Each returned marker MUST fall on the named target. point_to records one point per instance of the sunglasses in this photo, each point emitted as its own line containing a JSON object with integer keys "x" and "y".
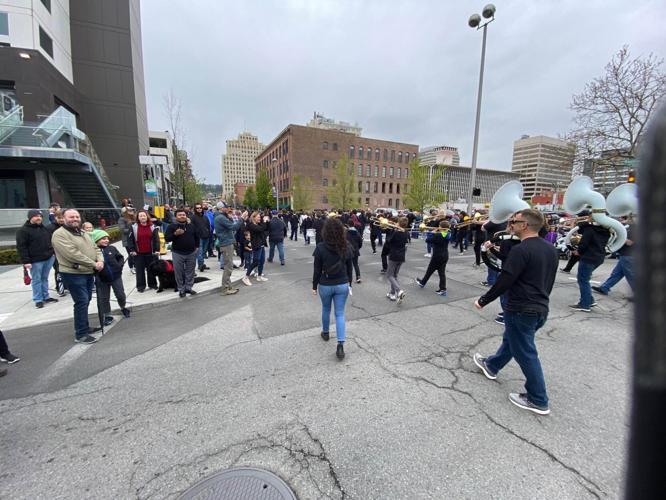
{"x": 516, "y": 221}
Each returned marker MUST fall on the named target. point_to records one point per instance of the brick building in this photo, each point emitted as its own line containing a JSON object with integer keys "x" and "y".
{"x": 381, "y": 167}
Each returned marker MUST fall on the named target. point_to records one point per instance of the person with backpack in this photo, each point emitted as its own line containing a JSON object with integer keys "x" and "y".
{"x": 111, "y": 276}
{"x": 332, "y": 279}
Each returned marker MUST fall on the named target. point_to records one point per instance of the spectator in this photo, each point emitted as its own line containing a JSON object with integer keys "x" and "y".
{"x": 53, "y": 209}
{"x": 276, "y": 232}
{"x": 33, "y": 243}
{"x": 202, "y": 225}
{"x": 109, "y": 277}
{"x": 225, "y": 228}
{"x": 56, "y": 224}
{"x": 185, "y": 244}
{"x": 144, "y": 246}
{"x": 87, "y": 227}
{"x": 78, "y": 258}
{"x": 125, "y": 225}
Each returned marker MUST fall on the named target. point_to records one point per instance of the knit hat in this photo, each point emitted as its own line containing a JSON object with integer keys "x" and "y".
{"x": 33, "y": 213}
{"x": 222, "y": 204}
{"x": 98, "y": 234}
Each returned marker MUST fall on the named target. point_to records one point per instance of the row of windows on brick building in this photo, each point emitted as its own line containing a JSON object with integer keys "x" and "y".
{"x": 324, "y": 199}
{"x": 369, "y": 170}
{"x": 367, "y": 186}
{"x": 367, "y": 153}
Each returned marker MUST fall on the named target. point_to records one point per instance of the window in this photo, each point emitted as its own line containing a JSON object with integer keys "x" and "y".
{"x": 368, "y": 171}
{"x": 391, "y": 172}
{"x": 390, "y": 187}
{"x": 406, "y": 173}
{"x": 383, "y": 171}
{"x": 335, "y": 146}
{"x": 360, "y": 186}
{"x": 47, "y": 4}
{"x": 325, "y": 145}
{"x": 376, "y": 186}
{"x": 377, "y": 154}
{"x": 324, "y": 182}
{"x": 360, "y": 152}
{"x": 367, "y": 186}
{"x": 360, "y": 170}
{"x": 324, "y": 199}
{"x": 398, "y": 172}
{"x": 369, "y": 156}
{"x": 45, "y": 42}
{"x": 4, "y": 23}
{"x": 393, "y": 155}
{"x": 383, "y": 187}
{"x": 386, "y": 155}
{"x": 325, "y": 163}
{"x": 399, "y": 156}
{"x": 390, "y": 203}
{"x": 351, "y": 151}
{"x": 397, "y": 203}
{"x": 397, "y": 189}
{"x": 367, "y": 202}
{"x": 376, "y": 170}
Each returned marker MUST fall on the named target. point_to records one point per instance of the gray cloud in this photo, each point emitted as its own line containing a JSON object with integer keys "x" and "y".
{"x": 404, "y": 70}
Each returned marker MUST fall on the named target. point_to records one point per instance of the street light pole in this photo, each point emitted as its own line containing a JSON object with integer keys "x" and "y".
{"x": 474, "y": 21}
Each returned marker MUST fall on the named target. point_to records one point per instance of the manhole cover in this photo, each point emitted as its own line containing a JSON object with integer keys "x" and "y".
{"x": 240, "y": 484}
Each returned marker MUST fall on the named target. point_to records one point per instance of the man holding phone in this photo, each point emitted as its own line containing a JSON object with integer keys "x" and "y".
{"x": 185, "y": 241}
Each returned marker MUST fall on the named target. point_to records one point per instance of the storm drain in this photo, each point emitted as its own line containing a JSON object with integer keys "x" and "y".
{"x": 240, "y": 484}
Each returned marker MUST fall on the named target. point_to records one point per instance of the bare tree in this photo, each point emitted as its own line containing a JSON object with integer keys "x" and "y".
{"x": 612, "y": 111}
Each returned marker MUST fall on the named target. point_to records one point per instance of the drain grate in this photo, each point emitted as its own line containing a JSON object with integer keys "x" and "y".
{"x": 243, "y": 483}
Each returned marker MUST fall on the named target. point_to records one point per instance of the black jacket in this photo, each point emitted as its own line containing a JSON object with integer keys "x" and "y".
{"x": 592, "y": 246}
{"x": 355, "y": 241}
{"x": 185, "y": 243}
{"x": 330, "y": 268}
{"x": 257, "y": 234}
{"x": 202, "y": 225}
{"x": 276, "y": 229}
{"x": 397, "y": 241}
{"x": 33, "y": 243}
{"x": 113, "y": 264}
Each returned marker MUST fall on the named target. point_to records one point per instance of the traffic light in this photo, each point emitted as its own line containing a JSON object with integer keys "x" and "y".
{"x": 631, "y": 177}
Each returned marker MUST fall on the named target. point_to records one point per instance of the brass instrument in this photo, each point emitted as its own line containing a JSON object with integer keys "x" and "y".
{"x": 429, "y": 229}
{"x": 384, "y": 223}
{"x": 483, "y": 219}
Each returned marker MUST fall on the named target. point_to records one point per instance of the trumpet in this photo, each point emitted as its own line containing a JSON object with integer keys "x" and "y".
{"x": 429, "y": 229}
{"x": 384, "y": 223}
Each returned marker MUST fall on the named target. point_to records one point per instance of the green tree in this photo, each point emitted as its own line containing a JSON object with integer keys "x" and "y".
{"x": 250, "y": 198}
{"x": 342, "y": 188}
{"x": 264, "y": 190}
{"x": 302, "y": 193}
{"x": 193, "y": 191}
{"x": 424, "y": 190}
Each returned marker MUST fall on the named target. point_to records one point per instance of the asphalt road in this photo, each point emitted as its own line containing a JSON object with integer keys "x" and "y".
{"x": 181, "y": 391}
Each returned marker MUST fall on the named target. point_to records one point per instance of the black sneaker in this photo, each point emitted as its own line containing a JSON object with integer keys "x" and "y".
{"x": 522, "y": 401}
{"x": 340, "y": 351}
{"x": 419, "y": 282}
{"x": 578, "y": 307}
{"x": 39, "y": 305}
{"x": 181, "y": 294}
{"x": 358, "y": 280}
{"x": 95, "y": 329}
{"x": 565, "y": 271}
{"x": 50, "y": 300}
{"x": 86, "y": 339}
{"x": 484, "y": 283}
{"x": 201, "y": 269}
{"x": 126, "y": 312}
{"x": 480, "y": 361}
{"x": 325, "y": 336}
{"x": 383, "y": 271}
{"x": 499, "y": 319}
{"x": 191, "y": 292}
{"x": 600, "y": 290}
{"x": 10, "y": 359}
{"x": 108, "y": 320}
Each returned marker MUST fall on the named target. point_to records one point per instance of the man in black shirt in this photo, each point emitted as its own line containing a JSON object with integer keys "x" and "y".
{"x": 184, "y": 247}
{"x": 592, "y": 252}
{"x": 527, "y": 278}
{"x": 624, "y": 267}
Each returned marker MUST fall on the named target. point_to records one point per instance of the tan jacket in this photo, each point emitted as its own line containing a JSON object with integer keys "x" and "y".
{"x": 76, "y": 252}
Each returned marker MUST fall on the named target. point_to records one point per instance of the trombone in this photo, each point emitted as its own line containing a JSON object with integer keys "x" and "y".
{"x": 384, "y": 223}
{"x": 429, "y": 229}
{"x": 482, "y": 219}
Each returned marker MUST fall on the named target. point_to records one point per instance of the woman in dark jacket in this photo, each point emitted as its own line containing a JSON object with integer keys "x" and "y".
{"x": 396, "y": 241}
{"x": 144, "y": 245}
{"x": 257, "y": 228}
{"x": 333, "y": 277}
{"x": 125, "y": 225}
{"x": 356, "y": 242}
{"x": 439, "y": 242}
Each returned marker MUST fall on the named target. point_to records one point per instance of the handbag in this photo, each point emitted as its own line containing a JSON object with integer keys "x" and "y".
{"x": 26, "y": 277}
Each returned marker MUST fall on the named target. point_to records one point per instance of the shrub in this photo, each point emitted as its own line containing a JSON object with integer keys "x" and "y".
{"x": 9, "y": 256}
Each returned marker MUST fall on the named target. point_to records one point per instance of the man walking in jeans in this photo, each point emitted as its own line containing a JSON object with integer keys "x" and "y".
{"x": 624, "y": 267}
{"x": 592, "y": 252}
{"x": 78, "y": 258}
{"x": 527, "y": 278}
{"x": 225, "y": 229}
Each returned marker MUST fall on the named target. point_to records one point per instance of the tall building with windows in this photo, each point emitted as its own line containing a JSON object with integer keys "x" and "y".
{"x": 381, "y": 167}
{"x": 72, "y": 78}
{"x": 238, "y": 161}
{"x": 543, "y": 163}
{"x": 439, "y": 155}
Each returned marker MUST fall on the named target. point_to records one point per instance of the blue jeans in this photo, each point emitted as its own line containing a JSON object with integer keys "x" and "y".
{"x": 258, "y": 257}
{"x": 39, "y": 274}
{"x": 338, "y": 295}
{"x": 518, "y": 343}
{"x": 623, "y": 269}
{"x": 203, "y": 252}
{"x": 491, "y": 278}
{"x": 80, "y": 287}
{"x": 583, "y": 277}
{"x": 280, "y": 247}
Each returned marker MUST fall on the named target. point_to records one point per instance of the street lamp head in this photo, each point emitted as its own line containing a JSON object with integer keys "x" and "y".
{"x": 474, "y": 21}
{"x": 488, "y": 11}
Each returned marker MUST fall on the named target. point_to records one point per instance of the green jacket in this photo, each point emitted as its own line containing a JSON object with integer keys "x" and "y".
{"x": 75, "y": 251}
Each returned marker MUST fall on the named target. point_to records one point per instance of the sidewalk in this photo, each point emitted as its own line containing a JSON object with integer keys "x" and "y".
{"x": 17, "y": 310}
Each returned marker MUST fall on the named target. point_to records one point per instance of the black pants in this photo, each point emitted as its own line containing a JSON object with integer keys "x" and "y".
{"x": 130, "y": 258}
{"x": 4, "y": 348}
{"x": 573, "y": 260}
{"x": 141, "y": 262}
{"x": 104, "y": 294}
{"x": 478, "y": 241}
{"x": 373, "y": 237}
{"x": 385, "y": 253}
{"x": 437, "y": 264}
{"x": 462, "y": 240}
{"x": 356, "y": 268}
{"x": 294, "y": 233}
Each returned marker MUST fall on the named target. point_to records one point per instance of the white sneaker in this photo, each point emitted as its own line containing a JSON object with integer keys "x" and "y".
{"x": 246, "y": 281}
{"x": 390, "y": 296}
{"x": 262, "y": 278}
{"x": 254, "y": 273}
{"x": 400, "y": 296}
{"x": 427, "y": 255}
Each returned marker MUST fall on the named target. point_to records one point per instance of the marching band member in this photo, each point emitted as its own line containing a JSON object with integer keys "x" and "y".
{"x": 592, "y": 252}
{"x": 439, "y": 242}
{"x": 624, "y": 267}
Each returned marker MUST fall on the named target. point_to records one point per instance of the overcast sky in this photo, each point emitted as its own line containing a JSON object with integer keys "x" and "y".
{"x": 404, "y": 70}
